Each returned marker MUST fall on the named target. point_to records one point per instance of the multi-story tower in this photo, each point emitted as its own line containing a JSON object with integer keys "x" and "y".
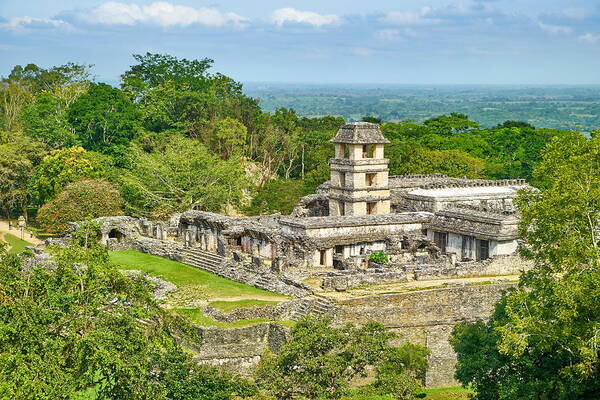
{"x": 359, "y": 172}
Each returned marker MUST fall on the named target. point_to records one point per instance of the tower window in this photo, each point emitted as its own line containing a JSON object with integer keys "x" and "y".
{"x": 368, "y": 150}
{"x": 346, "y": 151}
{"x": 371, "y": 179}
{"x": 371, "y": 208}
{"x": 342, "y": 179}
{"x": 342, "y": 208}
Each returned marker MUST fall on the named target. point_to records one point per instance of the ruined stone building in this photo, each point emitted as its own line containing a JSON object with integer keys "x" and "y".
{"x": 362, "y": 210}
{"x": 430, "y": 227}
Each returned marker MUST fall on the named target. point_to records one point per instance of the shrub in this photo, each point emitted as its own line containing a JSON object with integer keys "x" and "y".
{"x": 79, "y": 201}
{"x": 378, "y": 257}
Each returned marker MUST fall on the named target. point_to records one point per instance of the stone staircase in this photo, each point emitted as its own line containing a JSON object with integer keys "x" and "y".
{"x": 314, "y": 305}
{"x": 263, "y": 282}
{"x": 202, "y": 259}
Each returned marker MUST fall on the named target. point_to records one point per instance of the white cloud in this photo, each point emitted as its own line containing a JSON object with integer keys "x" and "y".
{"x": 410, "y": 17}
{"x": 23, "y": 23}
{"x": 590, "y": 37}
{"x": 556, "y": 28}
{"x": 283, "y": 15}
{"x": 160, "y": 13}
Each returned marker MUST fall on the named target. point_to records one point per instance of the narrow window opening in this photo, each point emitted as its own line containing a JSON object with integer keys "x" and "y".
{"x": 342, "y": 179}
{"x": 322, "y": 257}
{"x": 483, "y": 249}
{"x": 371, "y": 208}
{"x": 346, "y": 150}
{"x": 371, "y": 179}
{"x": 467, "y": 248}
{"x": 441, "y": 240}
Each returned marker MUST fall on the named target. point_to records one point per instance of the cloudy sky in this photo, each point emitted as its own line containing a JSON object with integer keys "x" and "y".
{"x": 320, "y": 41}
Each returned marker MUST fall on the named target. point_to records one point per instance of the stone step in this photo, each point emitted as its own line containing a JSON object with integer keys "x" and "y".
{"x": 199, "y": 251}
{"x": 204, "y": 256}
{"x": 205, "y": 266}
{"x": 203, "y": 261}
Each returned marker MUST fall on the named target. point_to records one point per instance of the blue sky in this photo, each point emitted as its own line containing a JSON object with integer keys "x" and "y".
{"x": 326, "y": 41}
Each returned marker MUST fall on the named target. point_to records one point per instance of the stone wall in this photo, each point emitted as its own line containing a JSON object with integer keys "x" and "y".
{"x": 238, "y": 349}
{"x": 276, "y": 312}
{"x": 341, "y": 282}
{"x": 499, "y": 265}
{"x": 426, "y": 318}
{"x": 404, "y": 272}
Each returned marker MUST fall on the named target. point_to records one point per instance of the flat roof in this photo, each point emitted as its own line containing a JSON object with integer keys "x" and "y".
{"x": 467, "y": 191}
{"x": 357, "y": 220}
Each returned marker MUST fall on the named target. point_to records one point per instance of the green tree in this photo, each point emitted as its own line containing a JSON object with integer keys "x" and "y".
{"x": 542, "y": 341}
{"x": 24, "y": 83}
{"x": 408, "y": 157}
{"x": 450, "y": 124}
{"x": 13, "y": 97}
{"x": 37, "y": 79}
{"x": 400, "y": 372}
{"x": 62, "y": 167}
{"x": 18, "y": 157}
{"x": 277, "y": 196}
{"x": 80, "y": 200}
{"x": 153, "y": 70}
{"x": 105, "y": 119}
{"x": 230, "y": 135}
{"x": 179, "y": 176}
{"x": 319, "y": 360}
{"x": 373, "y": 120}
{"x": 83, "y": 329}
{"x": 46, "y": 120}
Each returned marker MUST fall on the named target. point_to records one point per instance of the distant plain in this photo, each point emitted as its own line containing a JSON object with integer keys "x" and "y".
{"x": 559, "y": 107}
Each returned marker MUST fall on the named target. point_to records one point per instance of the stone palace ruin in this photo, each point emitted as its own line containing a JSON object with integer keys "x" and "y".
{"x": 430, "y": 228}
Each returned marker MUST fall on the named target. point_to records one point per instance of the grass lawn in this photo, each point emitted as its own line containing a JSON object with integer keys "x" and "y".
{"x": 196, "y": 315}
{"x": 16, "y": 245}
{"x": 189, "y": 279}
{"x": 232, "y": 305}
{"x": 451, "y": 393}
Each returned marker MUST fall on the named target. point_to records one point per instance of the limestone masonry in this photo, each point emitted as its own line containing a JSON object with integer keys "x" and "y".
{"x": 431, "y": 228}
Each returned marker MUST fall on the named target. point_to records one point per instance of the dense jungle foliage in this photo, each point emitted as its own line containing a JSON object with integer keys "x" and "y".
{"x": 175, "y": 136}
{"x": 542, "y": 341}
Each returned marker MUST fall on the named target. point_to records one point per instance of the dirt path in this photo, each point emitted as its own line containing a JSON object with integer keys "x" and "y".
{"x": 16, "y": 232}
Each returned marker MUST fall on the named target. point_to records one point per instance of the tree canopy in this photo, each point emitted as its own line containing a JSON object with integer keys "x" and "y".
{"x": 83, "y": 328}
{"x": 319, "y": 361}
{"x": 542, "y": 341}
